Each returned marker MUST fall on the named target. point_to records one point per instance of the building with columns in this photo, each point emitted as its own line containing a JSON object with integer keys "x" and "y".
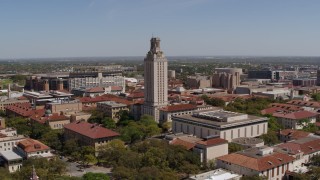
{"x": 155, "y": 80}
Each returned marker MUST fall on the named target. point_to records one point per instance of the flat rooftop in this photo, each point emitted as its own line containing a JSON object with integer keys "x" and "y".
{"x": 247, "y": 141}
{"x": 217, "y": 174}
{"x": 276, "y": 91}
{"x": 219, "y": 118}
{"x": 112, "y": 104}
{"x": 11, "y": 155}
{"x": 184, "y": 137}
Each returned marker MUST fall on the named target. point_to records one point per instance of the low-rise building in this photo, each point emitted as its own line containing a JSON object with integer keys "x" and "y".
{"x": 263, "y": 161}
{"x": 7, "y": 143}
{"x": 7, "y": 102}
{"x": 112, "y": 109}
{"x": 292, "y": 134}
{"x": 8, "y": 131}
{"x": 198, "y": 81}
{"x": 306, "y": 105}
{"x": 55, "y": 121}
{"x": 207, "y": 149}
{"x": 33, "y": 148}
{"x": 295, "y": 120}
{"x": 172, "y": 110}
{"x": 302, "y": 149}
{"x": 89, "y": 134}
{"x": 92, "y": 101}
{"x": 26, "y": 148}
{"x": 304, "y": 82}
{"x": 24, "y": 110}
{"x": 228, "y": 125}
{"x": 217, "y": 174}
{"x": 11, "y": 160}
{"x": 73, "y": 106}
{"x": 282, "y": 94}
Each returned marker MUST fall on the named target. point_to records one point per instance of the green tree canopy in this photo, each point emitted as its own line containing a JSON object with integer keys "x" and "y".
{"x": 95, "y": 176}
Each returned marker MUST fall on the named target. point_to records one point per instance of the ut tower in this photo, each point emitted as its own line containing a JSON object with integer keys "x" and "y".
{"x": 155, "y": 80}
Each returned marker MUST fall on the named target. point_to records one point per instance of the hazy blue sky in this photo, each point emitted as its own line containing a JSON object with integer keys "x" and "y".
{"x": 64, "y": 28}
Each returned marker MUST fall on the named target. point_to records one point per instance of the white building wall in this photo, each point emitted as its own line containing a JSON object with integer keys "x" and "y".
{"x": 275, "y": 173}
{"x": 202, "y": 132}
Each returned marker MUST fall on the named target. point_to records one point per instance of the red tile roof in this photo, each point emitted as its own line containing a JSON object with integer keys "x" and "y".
{"x": 305, "y": 103}
{"x": 262, "y": 163}
{"x": 106, "y": 97}
{"x": 30, "y": 145}
{"x": 271, "y": 110}
{"x": 294, "y": 134}
{"x": 95, "y": 90}
{"x": 24, "y": 110}
{"x": 93, "y": 131}
{"x": 186, "y": 144}
{"x": 213, "y": 142}
{"x": 295, "y": 115}
{"x": 306, "y": 145}
{"x": 287, "y": 106}
{"x": 179, "y": 107}
{"x": 116, "y": 88}
{"x": 53, "y": 117}
{"x": 280, "y": 107}
{"x": 135, "y": 95}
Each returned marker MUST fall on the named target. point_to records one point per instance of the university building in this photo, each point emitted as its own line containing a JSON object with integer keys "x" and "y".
{"x": 155, "y": 80}
{"x": 228, "y": 125}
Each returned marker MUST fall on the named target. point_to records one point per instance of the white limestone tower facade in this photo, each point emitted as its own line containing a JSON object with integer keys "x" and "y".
{"x": 155, "y": 80}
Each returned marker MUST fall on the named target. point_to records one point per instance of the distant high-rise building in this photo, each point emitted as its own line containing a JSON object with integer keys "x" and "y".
{"x": 226, "y": 78}
{"x": 172, "y": 74}
{"x": 155, "y": 80}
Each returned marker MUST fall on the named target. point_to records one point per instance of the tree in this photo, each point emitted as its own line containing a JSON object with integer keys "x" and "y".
{"x": 89, "y": 158}
{"x": 45, "y": 169}
{"x": 38, "y": 130}
{"x": 70, "y": 146}
{"x": 211, "y": 164}
{"x": 316, "y": 96}
{"x": 124, "y": 119}
{"x": 250, "y": 106}
{"x": 111, "y": 152}
{"x": 315, "y": 160}
{"x": 53, "y": 139}
{"x": 4, "y": 174}
{"x": 131, "y": 133}
{"x": 166, "y": 126}
{"x": 273, "y": 124}
{"x": 22, "y": 125}
{"x": 271, "y": 138}
{"x": 2, "y": 113}
{"x": 121, "y": 172}
{"x": 95, "y": 176}
{"x": 87, "y": 155}
{"x": 233, "y": 147}
{"x": 96, "y": 117}
{"x": 109, "y": 123}
{"x": 213, "y": 101}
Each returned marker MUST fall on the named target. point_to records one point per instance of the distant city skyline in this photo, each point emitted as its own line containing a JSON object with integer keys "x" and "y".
{"x": 106, "y": 28}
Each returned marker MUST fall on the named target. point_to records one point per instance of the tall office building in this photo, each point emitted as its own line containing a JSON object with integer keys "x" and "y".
{"x": 155, "y": 80}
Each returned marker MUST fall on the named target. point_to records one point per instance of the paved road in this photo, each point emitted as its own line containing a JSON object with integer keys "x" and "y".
{"x": 74, "y": 170}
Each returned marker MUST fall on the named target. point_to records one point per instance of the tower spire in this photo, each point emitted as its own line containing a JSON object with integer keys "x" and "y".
{"x": 34, "y": 174}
